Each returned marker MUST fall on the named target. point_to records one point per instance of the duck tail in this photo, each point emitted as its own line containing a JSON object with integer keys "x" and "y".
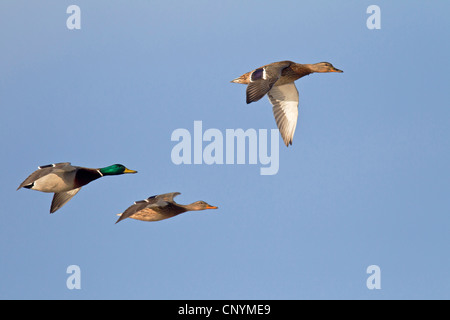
{"x": 242, "y": 79}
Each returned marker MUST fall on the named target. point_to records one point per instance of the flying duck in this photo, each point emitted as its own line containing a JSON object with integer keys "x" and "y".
{"x": 277, "y": 81}
{"x": 160, "y": 207}
{"x": 65, "y": 180}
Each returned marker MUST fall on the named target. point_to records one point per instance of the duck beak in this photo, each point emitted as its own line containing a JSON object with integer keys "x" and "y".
{"x": 129, "y": 171}
{"x": 336, "y": 70}
{"x": 212, "y": 207}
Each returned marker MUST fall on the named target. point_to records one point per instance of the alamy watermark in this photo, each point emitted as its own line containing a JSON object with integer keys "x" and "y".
{"x": 228, "y": 148}
{"x": 74, "y": 280}
{"x": 374, "y": 280}
{"x": 374, "y": 20}
{"x": 73, "y": 22}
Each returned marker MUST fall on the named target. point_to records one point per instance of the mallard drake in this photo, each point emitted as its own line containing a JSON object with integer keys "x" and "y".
{"x": 277, "y": 80}
{"x": 66, "y": 180}
{"x": 160, "y": 207}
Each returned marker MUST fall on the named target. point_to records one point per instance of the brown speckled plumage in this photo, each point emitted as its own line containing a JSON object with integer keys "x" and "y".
{"x": 160, "y": 207}
{"x": 277, "y": 81}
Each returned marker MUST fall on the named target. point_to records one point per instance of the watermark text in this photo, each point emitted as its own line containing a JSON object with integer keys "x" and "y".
{"x": 230, "y": 148}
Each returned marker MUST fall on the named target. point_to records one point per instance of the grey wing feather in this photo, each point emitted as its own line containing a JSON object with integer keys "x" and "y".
{"x": 285, "y": 109}
{"x": 61, "y": 198}
{"x": 256, "y": 90}
{"x": 137, "y": 206}
{"x": 45, "y": 170}
{"x": 55, "y": 165}
{"x": 263, "y": 79}
{"x": 167, "y": 196}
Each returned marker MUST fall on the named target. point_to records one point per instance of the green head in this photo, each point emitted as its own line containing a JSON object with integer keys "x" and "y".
{"x": 115, "y": 169}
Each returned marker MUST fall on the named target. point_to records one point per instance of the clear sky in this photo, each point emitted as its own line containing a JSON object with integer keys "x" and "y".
{"x": 366, "y": 181}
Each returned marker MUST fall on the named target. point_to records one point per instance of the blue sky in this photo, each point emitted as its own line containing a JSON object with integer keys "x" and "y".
{"x": 365, "y": 183}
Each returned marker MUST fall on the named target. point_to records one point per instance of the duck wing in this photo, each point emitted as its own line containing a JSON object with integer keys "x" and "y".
{"x": 61, "y": 198}
{"x": 137, "y": 206}
{"x": 263, "y": 79}
{"x": 284, "y": 99}
{"x": 166, "y": 196}
{"x": 153, "y": 202}
{"x": 45, "y": 170}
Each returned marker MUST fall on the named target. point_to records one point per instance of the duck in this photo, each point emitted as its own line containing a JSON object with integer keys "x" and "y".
{"x": 277, "y": 81}
{"x": 65, "y": 180}
{"x": 160, "y": 207}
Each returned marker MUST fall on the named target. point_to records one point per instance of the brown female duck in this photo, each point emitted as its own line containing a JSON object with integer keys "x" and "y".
{"x": 160, "y": 207}
{"x": 277, "y": 80}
